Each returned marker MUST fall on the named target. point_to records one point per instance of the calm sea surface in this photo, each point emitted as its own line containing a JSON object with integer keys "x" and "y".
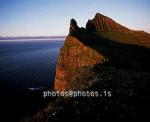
{"x": 24, "y": 65}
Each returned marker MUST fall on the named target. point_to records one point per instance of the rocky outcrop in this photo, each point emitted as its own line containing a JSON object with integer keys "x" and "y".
{"x": 102, "y": 39}
{"x": 103, "y": 23}
{"x": 74, "y": 55}
{"x": 73, "y": 27}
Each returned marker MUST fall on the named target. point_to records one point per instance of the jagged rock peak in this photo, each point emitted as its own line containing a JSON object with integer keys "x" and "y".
{"x": 99, "y": 14}
{"x": 103, "y": 23}
{"x": 73, "y": 22}
{"x": 73, "y": 27}
{"x": 100, "y": 23}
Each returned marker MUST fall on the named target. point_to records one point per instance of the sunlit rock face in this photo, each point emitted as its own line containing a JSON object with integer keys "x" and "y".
{"x": 74, "y": 57}
{"x": 102, "y": 23}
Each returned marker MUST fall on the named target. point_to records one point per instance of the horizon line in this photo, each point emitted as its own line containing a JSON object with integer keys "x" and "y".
{"x": 60, "y": 36}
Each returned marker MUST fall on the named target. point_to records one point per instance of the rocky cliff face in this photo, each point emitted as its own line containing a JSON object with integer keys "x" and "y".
{"x": 103, "y": 39}
{"x": 74, "y": 55}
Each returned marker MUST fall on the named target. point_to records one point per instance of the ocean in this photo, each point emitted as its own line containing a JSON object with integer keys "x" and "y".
{"x": 26, "y": 65}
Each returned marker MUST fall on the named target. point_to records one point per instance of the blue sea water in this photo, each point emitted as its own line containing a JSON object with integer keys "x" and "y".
{"x": 23, "y": 65}
{"x": 28, "y": 63}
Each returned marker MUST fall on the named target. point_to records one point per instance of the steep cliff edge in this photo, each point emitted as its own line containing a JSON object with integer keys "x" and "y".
{"x": 74, "y": 55}
{"x": 102, "y": 41}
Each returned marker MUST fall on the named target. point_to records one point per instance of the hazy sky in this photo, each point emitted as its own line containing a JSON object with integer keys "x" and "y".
{"x": 52, "y": 17}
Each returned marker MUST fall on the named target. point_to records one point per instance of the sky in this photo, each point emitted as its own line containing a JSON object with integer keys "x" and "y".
{"x": 52, "y": 17}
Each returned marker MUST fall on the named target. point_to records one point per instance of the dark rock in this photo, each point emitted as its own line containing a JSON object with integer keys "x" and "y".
{"x": 74, "y": 29}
